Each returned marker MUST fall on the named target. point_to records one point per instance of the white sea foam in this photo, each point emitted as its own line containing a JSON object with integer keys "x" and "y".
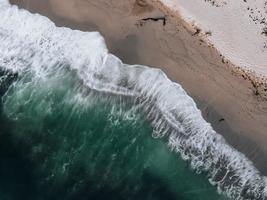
{"x": 4, "y": 2}
{"x": 33, "y": 43}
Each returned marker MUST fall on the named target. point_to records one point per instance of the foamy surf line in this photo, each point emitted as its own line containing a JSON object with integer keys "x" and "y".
{"x": 32, "y": 43}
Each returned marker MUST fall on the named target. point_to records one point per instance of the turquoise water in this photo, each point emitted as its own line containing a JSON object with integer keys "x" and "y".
{"x": 59, "y": 140}
{"x": 77, "y": 123}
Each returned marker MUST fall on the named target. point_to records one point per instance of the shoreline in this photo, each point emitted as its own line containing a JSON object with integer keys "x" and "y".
{"x": 186, "y": 58}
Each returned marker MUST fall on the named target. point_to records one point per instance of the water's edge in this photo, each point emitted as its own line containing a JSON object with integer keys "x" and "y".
{"x": 38, "y": 43}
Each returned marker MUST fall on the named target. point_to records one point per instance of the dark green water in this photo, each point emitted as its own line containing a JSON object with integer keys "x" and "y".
{"x": 59, "y": 140}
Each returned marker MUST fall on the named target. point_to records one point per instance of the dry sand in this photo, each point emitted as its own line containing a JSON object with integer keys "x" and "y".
{"x": 147, "y": 32}
{"x": 238, "y": 29}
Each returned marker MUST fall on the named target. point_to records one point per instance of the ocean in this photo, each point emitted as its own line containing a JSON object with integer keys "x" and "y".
{"x": 77, "y": 123}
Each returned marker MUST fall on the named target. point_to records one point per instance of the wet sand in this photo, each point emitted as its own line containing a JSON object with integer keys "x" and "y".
{"x": 142, "y": 32}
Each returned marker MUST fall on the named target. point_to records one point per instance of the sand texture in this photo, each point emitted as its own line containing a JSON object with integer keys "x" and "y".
{"x": 232, "y": 99}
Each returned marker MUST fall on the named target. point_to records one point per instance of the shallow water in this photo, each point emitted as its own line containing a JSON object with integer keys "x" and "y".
{"x": 77, "y": 123}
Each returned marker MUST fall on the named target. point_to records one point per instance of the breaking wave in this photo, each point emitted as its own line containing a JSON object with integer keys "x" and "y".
{"x": 30, "y": 43}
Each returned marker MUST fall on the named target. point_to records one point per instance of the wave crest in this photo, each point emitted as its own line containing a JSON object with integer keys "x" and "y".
{"x": 33, "y": 43}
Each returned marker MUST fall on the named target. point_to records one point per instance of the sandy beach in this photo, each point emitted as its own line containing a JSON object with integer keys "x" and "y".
{"x": 234, "y": 101}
